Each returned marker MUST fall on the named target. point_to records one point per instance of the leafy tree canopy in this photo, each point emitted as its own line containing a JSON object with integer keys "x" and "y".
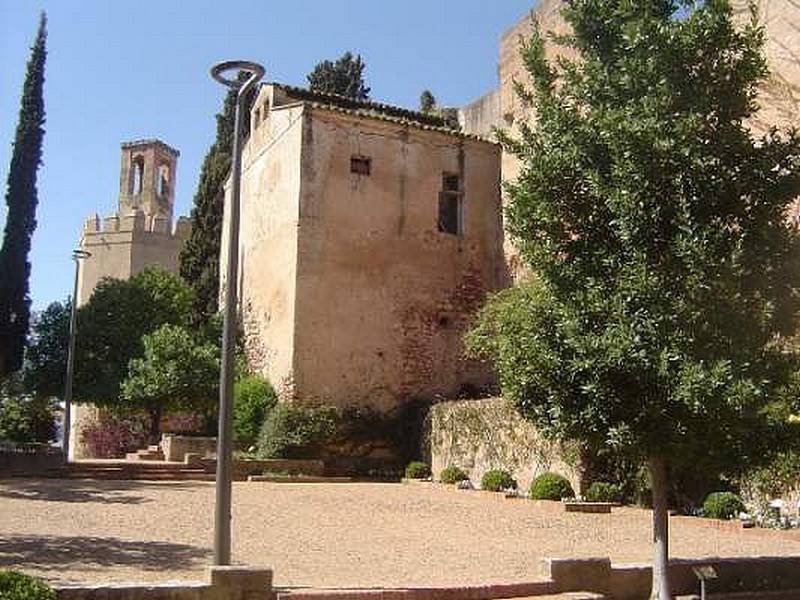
{"x": 177, "y": 371}
{"x": 112, "y": 324}
{"x": 656, "y": 226}
{"x": 25, "y": 418}
{"x": 46, "y": 356}
{"x": 344, "y": 77}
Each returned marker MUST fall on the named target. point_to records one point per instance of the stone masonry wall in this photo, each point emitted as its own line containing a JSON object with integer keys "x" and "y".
{"x": 383, "y": 297}
{"x": 478, "y": 435}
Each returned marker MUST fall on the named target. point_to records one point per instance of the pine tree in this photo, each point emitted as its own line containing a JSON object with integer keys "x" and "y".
{"x": 200, "y": 255}
{"x": 21, "y": 198}
{"x": 345, "y": 77}
{"x": 427, "y": 102}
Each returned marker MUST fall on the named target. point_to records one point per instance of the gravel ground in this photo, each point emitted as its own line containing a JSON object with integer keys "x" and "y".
{"x": 343, "y": 535}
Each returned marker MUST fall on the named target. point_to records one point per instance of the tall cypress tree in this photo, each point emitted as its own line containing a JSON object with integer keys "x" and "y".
{"x": 200, "y": 255}
{"x": 21, "y": 198}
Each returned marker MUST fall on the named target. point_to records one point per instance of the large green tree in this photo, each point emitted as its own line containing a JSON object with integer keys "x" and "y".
{"x": 113, "y": 322}
{"x": 656, "y": 226}
{"x": 21, "y": 198}
{"x": 46, "y": 355}
{"x": 344, "y": 77}
{"x": 177, "y": 371}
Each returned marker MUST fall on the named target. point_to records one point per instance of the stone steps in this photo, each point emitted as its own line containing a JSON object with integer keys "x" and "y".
{"x": 152, "y": 452}
{"x": 133, "y": 470}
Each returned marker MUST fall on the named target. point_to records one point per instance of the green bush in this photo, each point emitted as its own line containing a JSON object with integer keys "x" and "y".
{"x": 253, "y": 399}
{"x": 417, "y": 470}
{"x": 452, "y": 474}
{"x": 497, "y": 480}
{"x": 297, "y": 431}
{"x": 551, "y": 486}
{"x": 26, "y": 419}
{"x": 603, "y": 491}
{"x": 722, "y": 505}
{"x": 17, "y": 586}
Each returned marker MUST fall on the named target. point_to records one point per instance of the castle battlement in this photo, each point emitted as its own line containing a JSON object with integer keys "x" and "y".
{"x": 136, "y": 221}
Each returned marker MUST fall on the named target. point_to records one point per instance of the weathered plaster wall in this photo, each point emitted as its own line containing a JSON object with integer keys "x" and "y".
{"x": 481, "y": 116}
{"x": 268, "y": 248}
{"x": 478, "y": 435}
{"x": 383, "y": 297}
{"x": 780, "y": 94}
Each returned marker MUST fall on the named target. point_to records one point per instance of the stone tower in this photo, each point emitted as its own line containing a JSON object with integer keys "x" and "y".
{"x": 147, "y": 178}
{"x": 138, "y": 234}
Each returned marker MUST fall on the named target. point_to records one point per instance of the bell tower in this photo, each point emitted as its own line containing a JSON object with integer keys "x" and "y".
{"x": 147, "y": 178}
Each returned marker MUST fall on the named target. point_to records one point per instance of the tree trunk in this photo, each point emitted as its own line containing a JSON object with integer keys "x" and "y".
{"x": 155, "y": 424}
{"x": 658, "y": 481}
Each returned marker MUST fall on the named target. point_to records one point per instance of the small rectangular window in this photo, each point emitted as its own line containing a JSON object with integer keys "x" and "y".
{"x": 361, "y": 165}
{"x": 450, "y": 204}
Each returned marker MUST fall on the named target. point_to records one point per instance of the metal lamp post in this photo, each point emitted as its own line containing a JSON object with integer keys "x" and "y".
{"x": 222, "y": 508}
{"x": 77, "y": 255}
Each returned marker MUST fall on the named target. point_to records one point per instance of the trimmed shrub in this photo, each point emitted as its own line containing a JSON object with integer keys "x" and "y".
{"x": 452, "y": 474}
{"x": 722, "y": 505}
{"x": 603, "y": 491}
{"x": 417, "y": 470}
{"x": 18, "y": 586}
{"x": 297, "y": 431}
{"x": 253, "y": 399}
{"x": 551, "y": 486}
{"x": 497, "y": 480}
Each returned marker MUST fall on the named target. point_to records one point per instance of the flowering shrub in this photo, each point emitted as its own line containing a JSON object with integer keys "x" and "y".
{"x": 110, "y": 436}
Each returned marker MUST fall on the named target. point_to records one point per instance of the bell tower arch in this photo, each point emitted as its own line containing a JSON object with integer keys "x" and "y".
{"x": 147, "y": 178}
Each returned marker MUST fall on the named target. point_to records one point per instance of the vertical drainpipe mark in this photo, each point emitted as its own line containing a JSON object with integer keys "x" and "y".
{"x": 401, "y": 223}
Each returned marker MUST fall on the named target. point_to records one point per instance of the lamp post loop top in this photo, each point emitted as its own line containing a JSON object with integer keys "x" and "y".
{"x": 78, "y": 254}
{"x": 219, "y": 69}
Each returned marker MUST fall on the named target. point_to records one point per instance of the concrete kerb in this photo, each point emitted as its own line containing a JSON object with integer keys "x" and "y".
{"x": 223, "y": 583}
{"x": 561, "y": 575}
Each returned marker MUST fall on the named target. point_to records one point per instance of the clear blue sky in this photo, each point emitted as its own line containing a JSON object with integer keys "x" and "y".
{"x": 120, "y": 71}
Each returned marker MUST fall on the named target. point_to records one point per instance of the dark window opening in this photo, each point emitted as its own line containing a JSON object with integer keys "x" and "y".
{"x": 444, "y": 321}
{"x": 361, "y": 165}
{"x": 450, "y": 183}
{"x": 450, "y": 205}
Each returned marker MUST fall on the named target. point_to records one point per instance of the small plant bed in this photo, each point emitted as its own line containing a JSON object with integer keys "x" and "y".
{"x": 453, "y": 475}
{"x": 299, "y": 478}
{"x": 498, "y": 480}
{"x": 588, "y": 507}
{"x": 417, "y": 470}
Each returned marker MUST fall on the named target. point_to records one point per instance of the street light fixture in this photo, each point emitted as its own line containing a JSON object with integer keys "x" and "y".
{"x": 222, "y": 508}
{"x": 77, "y": 255}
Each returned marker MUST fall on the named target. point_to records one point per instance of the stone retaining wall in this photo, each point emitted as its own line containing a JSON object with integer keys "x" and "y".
{"x": 176, "y": 447}
{"x": 29, "y": 459}
{"x": 478, "y": 435}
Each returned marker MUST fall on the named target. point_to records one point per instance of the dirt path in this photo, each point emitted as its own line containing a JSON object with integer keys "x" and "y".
{"x": 327, "y": 534}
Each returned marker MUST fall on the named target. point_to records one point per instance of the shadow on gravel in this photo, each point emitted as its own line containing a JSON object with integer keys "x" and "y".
{"x": 81, "y": 490}
{"x": 47, "y": 552}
